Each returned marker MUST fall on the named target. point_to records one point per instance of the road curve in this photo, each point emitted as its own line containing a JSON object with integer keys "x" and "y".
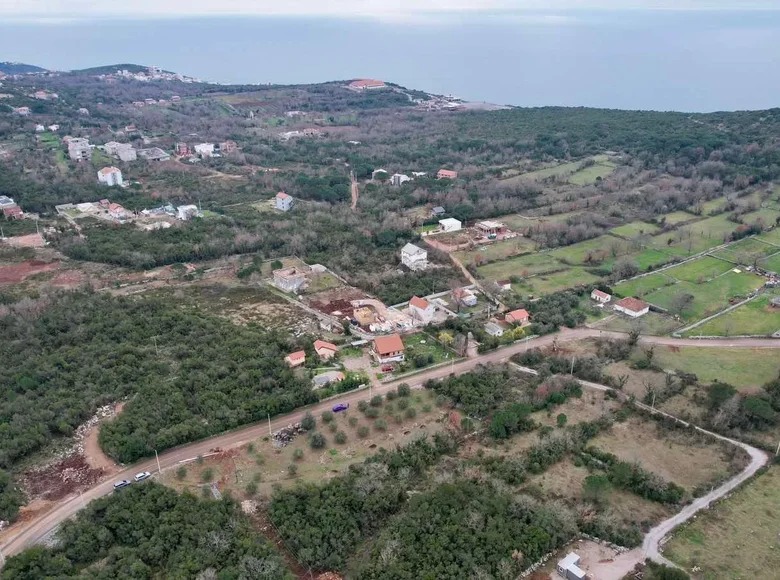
{"x": 31, "y": 532}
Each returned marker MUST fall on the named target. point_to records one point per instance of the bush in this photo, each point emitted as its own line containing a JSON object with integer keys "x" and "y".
{"x": 466, "y": 425}
{"x": 372, "y": 412}
{"x": 441, "y": 400}
{"x": 380, "y": 425}
{"x": 181, "y": 473}
{"x": 389, "y": 408}
{"x": 251, "y": 488}
{"x": 207, "y": 475}
{"x": 391, "y": 395}
{"x": 298, "y": 454}
{"x": 404, "y": 390}
{"x": 250, "y": 448}
{"x": 410, "y": 413}
{"x": 333, "y": 427}
{"x": 402, "y": 404}
{"x": 341, "y": 437}
{"x": 362, "y": 431}
{"x": 327, "y": 416}
{"x": 308, "y": 423}
{"x": 376, "y": 401}
{"x": 199, "y": 460}
{"x": 362, "y": 406}
{"x": 353, "y": 421}
{"x": 292, "y": 469}
{"x": 398, "y": 418}
{"x": 427, "y": 408}
{"x": 317, "y": 440}
{"x": 561, "y": 420}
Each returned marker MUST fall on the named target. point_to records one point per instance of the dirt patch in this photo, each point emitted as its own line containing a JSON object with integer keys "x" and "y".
{"x": 18, "y": 272}
{"x": 60, "y": 479}
{"x": 68, "y": 279}
{"x": 597, "y": 560}
{"x": 28, "y": 241}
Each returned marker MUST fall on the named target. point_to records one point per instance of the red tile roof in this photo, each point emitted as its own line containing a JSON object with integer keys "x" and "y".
{"x": 520, "y": 314}
{"x": 632, "y": 304}
{"x": 600, "y": 294}
{"x": 297, "y": 355}
{"x": 364, "y": 83}
{"x": 388, "y": 344}
{"x": 419, "y": 302}
{"x": 318, "y": 344}
{"x": 282, "y": 195}
{"x": 447, "y": 173}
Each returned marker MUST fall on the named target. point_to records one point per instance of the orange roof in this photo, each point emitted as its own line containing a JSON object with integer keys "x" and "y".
{"x": 600, "y": 294}
{"x": 282, "y": 195}
{"x": 632, "y": 304}
{"x": 447, "y": 173}
{"x": 318, "y": 344}
{"x": 297, "y": 355}
{"x": 107, "y": 170}
{"x": 388, "y": 344}
{"x": 360, "y": 83}
{"x": 518, "y": 314}
{"x": 419, "y": 302}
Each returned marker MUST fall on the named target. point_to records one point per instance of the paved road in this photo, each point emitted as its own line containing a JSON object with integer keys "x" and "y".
{"x": 33, "y": 531}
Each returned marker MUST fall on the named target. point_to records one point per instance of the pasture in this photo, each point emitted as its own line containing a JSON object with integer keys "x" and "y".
{"x": 678, "y": 217}
{"x": 542, "y": 284}
{"x": 634, "y": 229}
{"x": 523, "y": 266}
{"x": 757, "y": 317}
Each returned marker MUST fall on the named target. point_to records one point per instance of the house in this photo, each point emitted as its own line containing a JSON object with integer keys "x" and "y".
{"x": 79, "y": 149}
{"x": 138, "y": 104}
{"x": 154, "y": 154}
{"x": 519, "y": 316}
{"x": 228, "y": 147}
{"x": 504, "y": 285}
{"x": 399, "y": 179}
{"x": 599, "y": 296}
{"x": 123, "y": 151}
{"x": 490, "y": 228}
{"x": 6, "y": 202}
{"x": 632, "y": 307}
{"x": 422, "y": 310}
{"x": 84, "y": 111}
{"x": 150, "y": 101}
{"x": 326, "y": 378}
{"x": 54, "y": 128}
{"x": 325, "y": 350}
{"x": 376, "y": 174}
{"x": 13, "y": 213}
{"x": 465, "y": 297}
{"x": 39, "y": 128}
{"x": 413, "y": 257}
{"x": 110, "y": 176}
{"x": 446, "y": 174}
{"x": 775, "y": 302}
{"x": 185, "y": 212}
{"x": 450, "y": 225}
{"x": 438, "y": 211}
{"x": 23, "y": 111}
{"x": 388, "y": 349}
{"x": 182, "y": 149}
{"x": 296, "y": 359}
{"x": 175, "y": 98}
{"x": 204, "y": 150}
{"x": 289, "y": 279}
{"x": 366, "y": 84}
{"x": 284, "y": 201}
{"x": 568, "y": 568}
{"x": 117, "y": 212}
{"x": 494, "y": 329}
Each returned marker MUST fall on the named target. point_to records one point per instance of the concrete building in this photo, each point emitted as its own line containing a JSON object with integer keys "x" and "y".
{"x": 465, "y": 297}
{"x": 289, "y": 279}
{"x": 296, "y": 359}
{"x": 599, "y": 296}
{"x": 388, "y": 349}
{"x": 450, "y": 225}
{"x": 494, "y": 329}
{"x": 366, "y": 84}
{"x": 182, "y": 149}
{"x": 23, "y": 111}
{"x": 632, "y": 307}
{"x": 123, "y": 151}
{"x": 228, "y": 147}
{"x": 422, "y": 310}
{"x": 186, "y": 212}
{"x": 568, "y": 567}
{"x": 284, "y": 201}
{"x": 399, "y": 179}
{"x": 110, "y": 176}
{"x": 204, "y": 150}
{"x": 413, "y": 257}
{"x": 490, "y": 228}
{"x": 79, "y": 149}
{"x": 326, "y": 378}
{"x": 446, "y": 174}
{"x": 325, "y": 350}
{"x": 154, "y": 154}
{"x": 39, "y": 128}
{"x": 519, "y": 316}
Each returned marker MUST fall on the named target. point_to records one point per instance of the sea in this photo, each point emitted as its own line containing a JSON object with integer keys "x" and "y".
{"x": 685, "y": 60}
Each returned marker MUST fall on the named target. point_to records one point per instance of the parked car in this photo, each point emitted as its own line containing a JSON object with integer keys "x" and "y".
{"x": 121, "y": 484}
{"x": 387, "y": 368}
{"x": 340, "y": 407}
{"x": 143, "y": 475}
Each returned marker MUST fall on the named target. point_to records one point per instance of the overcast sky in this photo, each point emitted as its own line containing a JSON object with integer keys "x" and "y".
{"x": 358, "y": 8}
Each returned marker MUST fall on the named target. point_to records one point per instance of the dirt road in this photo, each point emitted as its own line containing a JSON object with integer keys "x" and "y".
{"x": 33, "y": 531}
{"x": 353, "y": 188}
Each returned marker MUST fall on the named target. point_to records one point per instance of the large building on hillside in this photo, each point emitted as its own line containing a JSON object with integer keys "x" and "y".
{"x": 110, "y": 176}
{"x": 414, "y": 257}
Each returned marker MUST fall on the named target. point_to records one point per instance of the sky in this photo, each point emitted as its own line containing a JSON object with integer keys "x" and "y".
{"x": 54, "y": 9}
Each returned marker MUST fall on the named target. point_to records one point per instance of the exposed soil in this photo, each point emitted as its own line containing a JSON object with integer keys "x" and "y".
{"x": 68, "y": 279}
{"x": 13, "y": 274}
{"x": 28, "y": 241}
{"x": 60, "y": 479}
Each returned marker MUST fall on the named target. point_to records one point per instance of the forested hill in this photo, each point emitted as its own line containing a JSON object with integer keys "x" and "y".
{"x": 17, "y": 68}
{"x": 112, "y": 68}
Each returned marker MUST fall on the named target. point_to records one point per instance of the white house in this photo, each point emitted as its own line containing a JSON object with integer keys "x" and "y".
{"x": 79, "y": 149}
{"x": 422, "y": 310}
{"x": 599, "y": 296}
{"x": 399, "y": 179}
{"x": 39, "y": 128}
{"x": 632, "y": 307}
{"x": 568, "y": 567}
{"x": 110, "y": 176}
{"x": 204, "y": 149}
{"x": 289, "y": 279}
{"x": 413, "y": 257}
{"x": 185, "y": 212}
{"x": 450, "y": 225}
{"x": 284, "y": 201}
{"x": 388, "y": 349}
{"x": 493, "y": 329}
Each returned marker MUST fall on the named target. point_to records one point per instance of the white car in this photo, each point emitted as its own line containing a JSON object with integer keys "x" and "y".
{"x": 121, "y": 484}
{"x": 143, "y": 475}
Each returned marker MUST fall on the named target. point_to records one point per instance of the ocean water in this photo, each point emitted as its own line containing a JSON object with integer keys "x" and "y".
{"x": 690, "y": 61}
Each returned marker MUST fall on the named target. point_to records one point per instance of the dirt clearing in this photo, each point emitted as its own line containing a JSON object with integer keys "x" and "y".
{"x": 13, "y": 274}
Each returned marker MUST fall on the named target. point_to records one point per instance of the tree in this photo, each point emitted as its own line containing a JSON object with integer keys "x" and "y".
{"x": 681, "y": 302}
{"x": 363, "y": 431}
{"x": 446, "y": 338}
{"x": 404, "y": 390}
{"x": 292, "y": 470}
{"x": 317, "y": 440}
{"x": 561, "y": 419}
{"x": 327, "y": 416}
{"x": 181, "y": 473}
{"x": 596, "y": 489}
{"x": 341, "y": 437}
{"x": 308, "y": 423}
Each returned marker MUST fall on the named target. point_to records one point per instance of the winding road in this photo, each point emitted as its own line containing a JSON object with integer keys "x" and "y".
{"x": 28, "y": 533}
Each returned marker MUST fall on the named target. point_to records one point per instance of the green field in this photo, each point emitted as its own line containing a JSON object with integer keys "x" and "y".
{"x": 519, "y": 223}
{"x": 696, "y": 237}
{"x": 768, "y": 217}
{"x": 650, "y": 257}
{"x": 714, "y": 205}
{"x": 527, "y": 265}
{"x": 742, "y": 367}
{"x": 497, "y": 250}
{"x": 756, "y": 317}
{"x": 595, "y": 251}
{"x": 772, "y": 236}
{"x": 652, "y": 323}
{"x": 772, "y": 263}
{"x": 593, "y": 173}
{"x": 634, "y": 229}
{"x": 740, "y": 252}
{"x": 602, "y": 168}
{"x": 737, "y": 538}
{"x": 699, "y": 270}
{"x": 678, "y": 217}
{"x": 548, "y": 283}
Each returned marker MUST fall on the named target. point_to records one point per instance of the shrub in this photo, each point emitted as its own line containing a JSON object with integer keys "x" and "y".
{"x": 402, "y": 404}
{"x": 561, "y": 420}
{"x": 398, "y": 418}
{"x": 317, "y": 440}
{"x": 298, "y": 454}
{"x": 199, "y": 460}
{"x": 292, "y": 469}
{"x": 410, "y": 413}
{"x": 251, "y": 488}
{"x": 389, "y": 408}
{"x": 404, "y": 390}
{"x": 362, "y": 431}
{"x": 376, "y": 401}
{"x": 362, "y": 406}
{"x": 380, "y": 425}
{"x": 427, "y": 408}
{"x": 372, "y": 412}
{"x": 207, "y": 475}
{"x": 333, "y": 427}
{"x": 441, "y": 400}
{"x": 327, "y": 416}
{"x": 181, "y": 473}
{"x": 341, "y": 437}
{"x": 353, "y": 421}
{"x": 250, "y": 448}
{"x": 308, "y": 423}
{"x": 466, "y": 424}
{"x": 391, "y": 395}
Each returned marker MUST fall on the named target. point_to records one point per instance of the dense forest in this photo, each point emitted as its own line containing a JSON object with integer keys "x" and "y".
{"x": 149, "y": 531}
